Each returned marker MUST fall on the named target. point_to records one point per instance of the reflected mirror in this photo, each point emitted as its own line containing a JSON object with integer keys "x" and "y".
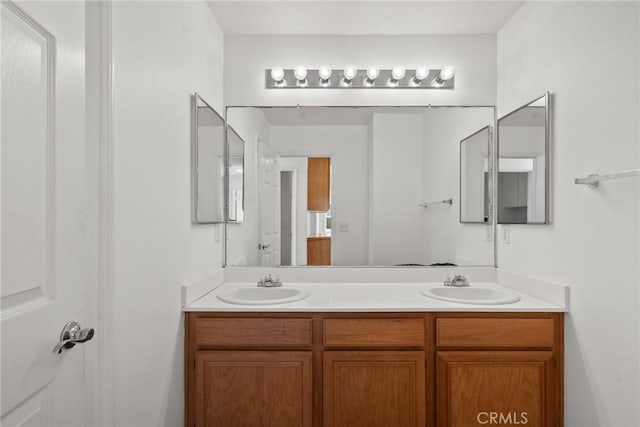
{"x": 475, "y": 179}
{"x": 523, "y": 170}
{"x": 207, "y": 149}
{"x": 236, "y": 176}
{"x": 355, "y": 186}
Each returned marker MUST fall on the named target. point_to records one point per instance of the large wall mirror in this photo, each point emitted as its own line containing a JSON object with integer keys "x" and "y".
{"x": 475, "y": 177}
{"x": 523, "y": 164}
{"x": 348, "y": 186}
{"x": 207, "y": 148}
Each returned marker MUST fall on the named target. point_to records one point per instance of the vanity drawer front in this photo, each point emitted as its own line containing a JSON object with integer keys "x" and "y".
{"x": 374, "y": 332}
{"x": 253, "y": 332}
{"x": 494, "y": 332}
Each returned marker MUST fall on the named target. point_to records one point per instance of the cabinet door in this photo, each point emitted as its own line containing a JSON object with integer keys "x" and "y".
{"x": 508, "y": 388}
{"x": 318, "y": 250}
{"x": 374, "y": 389}
{"x": 253, "y": 389}
{"x": 318, "y": 184}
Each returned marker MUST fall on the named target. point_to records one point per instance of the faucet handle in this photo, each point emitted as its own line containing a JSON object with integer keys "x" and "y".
{"x": 456, "y": 280}
{"x": 460, "y": 280}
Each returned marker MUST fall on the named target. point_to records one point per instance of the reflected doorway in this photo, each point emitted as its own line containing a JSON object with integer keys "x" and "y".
{"x": 287, "y": 224}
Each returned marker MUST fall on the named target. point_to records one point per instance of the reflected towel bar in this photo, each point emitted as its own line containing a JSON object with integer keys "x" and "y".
{"x": 437, "y": 202}
{"x": 594, "y": 179}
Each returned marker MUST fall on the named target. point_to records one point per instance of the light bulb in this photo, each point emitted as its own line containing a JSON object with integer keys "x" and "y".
{"x": 325, "y": 74}
{"x": 421, "y": 73}
{"x": 350, "y": 72}
{"x": 300, "y": 73}
{"x": 447, "y": 73}
{"x": 277, "y": 74}
{"x": 398, "y": 73}
{"x": 373, "y": 73}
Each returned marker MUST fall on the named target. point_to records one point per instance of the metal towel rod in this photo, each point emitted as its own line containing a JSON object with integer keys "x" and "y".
{"x": 436, "y": 202}
{"x": 594, "y": 179}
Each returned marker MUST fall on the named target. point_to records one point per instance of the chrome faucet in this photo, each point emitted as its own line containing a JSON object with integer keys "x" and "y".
{"x": 269, "y": 282}
{"x": 457, "y": 280}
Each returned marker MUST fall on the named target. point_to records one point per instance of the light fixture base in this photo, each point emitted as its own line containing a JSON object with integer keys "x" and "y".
{"x": 359, "y": 81}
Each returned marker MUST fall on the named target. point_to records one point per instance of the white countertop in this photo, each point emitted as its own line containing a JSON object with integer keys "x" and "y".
{"x": 368, "y": 297}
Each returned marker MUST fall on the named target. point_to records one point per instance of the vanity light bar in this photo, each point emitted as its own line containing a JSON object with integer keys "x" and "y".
{"x": 353, "y": 78}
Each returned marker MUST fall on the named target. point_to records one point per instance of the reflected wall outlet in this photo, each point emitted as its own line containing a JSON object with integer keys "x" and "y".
{"x": 343, "y": 227}
{"x": 506, "y": 234}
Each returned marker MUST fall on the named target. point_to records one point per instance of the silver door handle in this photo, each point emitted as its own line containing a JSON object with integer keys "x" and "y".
{"x": 72, "y": 334}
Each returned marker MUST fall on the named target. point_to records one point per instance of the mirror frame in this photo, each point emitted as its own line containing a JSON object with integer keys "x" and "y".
{"x": 492, "y": 157}
{"x": 227, "y": 203}
{"x": 195, "y": 208}
{"x": 547, "y": 145}
{"x": 490, "y": 171}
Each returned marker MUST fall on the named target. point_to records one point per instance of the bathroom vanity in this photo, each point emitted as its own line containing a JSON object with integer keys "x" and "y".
{"x": 363, "y": 359}
{"x": 352, "y": 347}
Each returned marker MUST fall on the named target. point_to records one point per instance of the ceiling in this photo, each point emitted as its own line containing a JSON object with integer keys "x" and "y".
{"x": 329, "y": 17}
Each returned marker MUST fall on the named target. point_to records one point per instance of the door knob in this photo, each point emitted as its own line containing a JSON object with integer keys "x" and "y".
{"x": 72, "y": 334}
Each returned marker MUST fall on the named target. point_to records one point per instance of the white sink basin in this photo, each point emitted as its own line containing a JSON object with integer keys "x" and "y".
{"x": 262, "y": 296}
{"x": 471, "y": 295}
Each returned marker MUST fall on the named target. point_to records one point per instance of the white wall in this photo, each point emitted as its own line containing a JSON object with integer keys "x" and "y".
{"x": 445, "y": 239}
{"x": 474, "y": 157}
{"x": 247, "y": 58}
{"x": 162, "y": 52}
{"x": 395, "y": 189}
{"x": 568, "y": 48}
{"x": 251, "y": 124}
{"x": 299, "y": 167}
{"x": 347, "y": 147}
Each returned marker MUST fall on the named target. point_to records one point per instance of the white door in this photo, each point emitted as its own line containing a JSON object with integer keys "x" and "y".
{"x": 268, "y": 205}
{"x": 44, "y": 226}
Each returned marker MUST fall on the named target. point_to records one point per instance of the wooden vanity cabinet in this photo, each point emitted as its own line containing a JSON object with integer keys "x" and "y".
{"x": 253, "y": 388}
{"x": 498, "y": 369}
{"x": 248, "y": 370}
{"x": 374, "y": 369}
{"x": 374, "y": 388}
